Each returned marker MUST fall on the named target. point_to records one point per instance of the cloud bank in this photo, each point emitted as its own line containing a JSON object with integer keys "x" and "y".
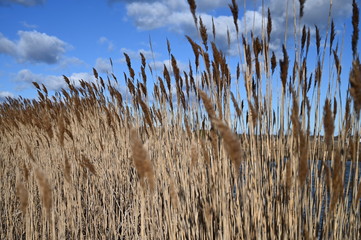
{"x": 175, "y": 16}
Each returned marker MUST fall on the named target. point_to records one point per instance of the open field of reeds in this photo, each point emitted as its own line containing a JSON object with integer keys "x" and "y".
{"x": 191, "y": 157}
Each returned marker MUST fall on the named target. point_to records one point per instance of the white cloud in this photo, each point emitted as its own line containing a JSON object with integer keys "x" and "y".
{"x": 69, "y": 61}
{"x": 149, "y": 16}
{"x": 103, "y": 65}
{"x": 27, "y": 3}
{"x": 175, "y": 16}
{"x": 4, "y": 95}
{"x": 136, "y": 54}
{"x": 315, "y": 13}
{"x": 106, "y": 41}
{"x": 202, "y": 5}
{"x": 34, "y": 47}
{"x": 53, "y": 82}
{"x": 159, "y": 66}
{"x": 7, "y": 46}
{"x": 28, "y": 25}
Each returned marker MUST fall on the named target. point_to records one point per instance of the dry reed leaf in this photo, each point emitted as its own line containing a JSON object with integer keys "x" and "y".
{"x": 337, "y": 181}
{"x": 194, "y": 155}
{"x": 173, "y": 193}
{"x": 26, "y": 172}
{"x": 206, "y": 157}
{"x": 358, "y": 195}
{"x": 288, "y": 177}
{"x": 303, "y": 162}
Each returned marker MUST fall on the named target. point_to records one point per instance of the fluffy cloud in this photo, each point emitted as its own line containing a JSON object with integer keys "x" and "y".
{"x": 103, "y": 65}
{"x": 34, "y": 47}
{"x": 4, "y": 95}
{"x": 25, "y": 77}
{"x": 27, "y": 3}
{"x": 149, "y": 15}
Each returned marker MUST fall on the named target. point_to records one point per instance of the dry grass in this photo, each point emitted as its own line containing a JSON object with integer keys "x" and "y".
{"x": 218, "y": 164}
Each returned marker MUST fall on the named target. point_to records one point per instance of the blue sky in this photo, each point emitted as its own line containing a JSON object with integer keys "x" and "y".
{"x": 41, "y": 40}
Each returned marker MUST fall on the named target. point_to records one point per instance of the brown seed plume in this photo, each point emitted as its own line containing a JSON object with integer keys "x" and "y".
{"x": 234, "y": 10}
{"x": 303, "y": 37}
{"x": 207, "y": 104}
{"x": 302, "y": 5}
{"x": 328, "y": 123}
{"x": 355, "y": 84}
{"x": 332, "y": 35}
{"x": 236, "y": 107}
{"x": 273, "y": 62}
{"x": 203, "y": 32}
{"x": 284, "y": 67}
{"x": 141, "y": 160}
{"x": 192, "y": 8}
{"x": 269, "y": 25}
{"x": 195, "y": 48}
{"x": 230, "y": 142}
{"x": 129, "y": 64}
{"x": 355, "y": 33}
{"x": 23, "y": 196}
{"x": 318, "y": 40}
{"x": 67, "y": 170}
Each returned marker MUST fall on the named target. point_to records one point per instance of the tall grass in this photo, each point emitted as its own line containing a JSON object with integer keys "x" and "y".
{"x": 200, "y": 162}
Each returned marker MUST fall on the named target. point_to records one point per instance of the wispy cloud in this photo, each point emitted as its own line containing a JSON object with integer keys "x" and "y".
{"x": 135, "y": 54}
{"x": 27, "y": 3}
{"x": 25, "y": 77}
{"x": 28, "y": 25}
{"x": 107, "y": 42}
{"x": 34, "y": 47}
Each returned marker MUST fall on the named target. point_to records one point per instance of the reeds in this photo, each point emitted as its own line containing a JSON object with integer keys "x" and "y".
{"x": 223, "y": 158}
